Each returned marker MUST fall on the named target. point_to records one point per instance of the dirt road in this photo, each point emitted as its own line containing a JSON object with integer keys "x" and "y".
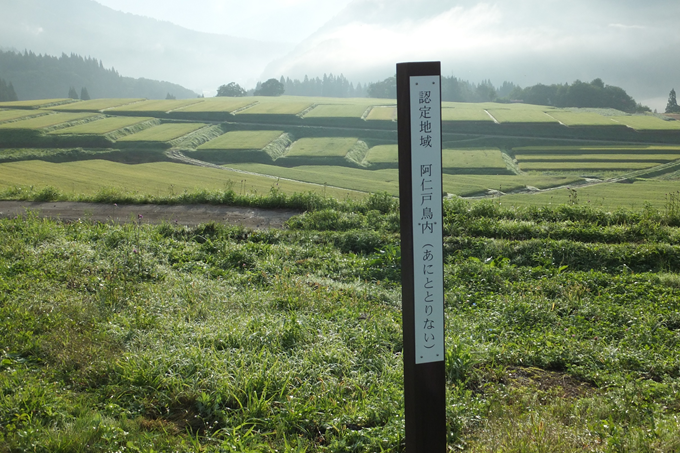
{"x": 189, "y": 215}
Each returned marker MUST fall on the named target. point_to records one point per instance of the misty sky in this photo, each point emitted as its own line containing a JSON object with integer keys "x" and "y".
{"x": 267, "y": 20}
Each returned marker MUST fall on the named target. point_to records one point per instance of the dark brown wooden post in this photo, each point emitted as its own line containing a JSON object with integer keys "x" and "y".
{"x": 420, "y": 197}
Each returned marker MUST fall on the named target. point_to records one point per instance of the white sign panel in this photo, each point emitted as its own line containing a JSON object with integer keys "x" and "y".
{"x": 428, "y": 262}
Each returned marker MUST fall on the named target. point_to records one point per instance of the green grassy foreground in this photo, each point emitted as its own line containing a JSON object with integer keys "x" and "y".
{"x": 563, "y": 327}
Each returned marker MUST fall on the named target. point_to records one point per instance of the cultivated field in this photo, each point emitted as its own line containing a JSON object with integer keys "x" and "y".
{"x": 11, "y": 115}
{"x": 576, "y": 118}
{"x": 276, "y": 108}
{"x": 503, "y": 115}
{"x": 382, "y": 113}
{"x": 162, "y": 133}
{"x": 218, "y": 104}
{"x": 337, "y": 111}
{"x": 38, "y": 103}
{"x": 647, "y": 123}
{"x": 154, "y": 107}
{"x": 95, "y": 105}
{"x": 242, "y": 140}
{"x": 47, "y": 121}
{"x": 101, "y": 127}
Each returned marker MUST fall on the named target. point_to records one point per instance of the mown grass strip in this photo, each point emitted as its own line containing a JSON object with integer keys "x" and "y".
{"x": 599, "y": 149}
{"x": 597, "y": 157}
{"x": 156, "y": 106}
{"x": 508, "y": 115}
{"x": 276, "y": 108}
{"x": 155, "y": 179}
{"x": 96, "y": 105}
{"x": 321, "y": 147}
{"x": 242, "y": 140}
{"x": 465, "y": 114}
{"x": 217, "y": 104}
{"x": 575, "y": 165}
{"x": 163, "y": 132}
{"x": 336, "y": 111}
{"x": 46, "y": 121}
{"x": 572, "y": 118}
{"x": 101, "y": 127}
{"x": 11, "y": 115}
{"x": 38, "y": 103}
{"x": 647, "y": 123}
{"x": 382, "y": 113}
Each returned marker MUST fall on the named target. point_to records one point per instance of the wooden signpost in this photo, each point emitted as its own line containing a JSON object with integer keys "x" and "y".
{"x": 420, "y": 195}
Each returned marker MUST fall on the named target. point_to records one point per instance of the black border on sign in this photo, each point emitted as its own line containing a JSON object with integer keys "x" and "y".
{"x": 424, "y": 384}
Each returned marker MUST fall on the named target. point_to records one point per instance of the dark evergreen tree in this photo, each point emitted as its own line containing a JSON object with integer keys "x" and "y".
{"x": 672, "y": 106}
{"x": 84, "y": 95}
{"x": 72, "y": 93}
{"x": 170, "y": 97}
{"x": 7, "y": 93}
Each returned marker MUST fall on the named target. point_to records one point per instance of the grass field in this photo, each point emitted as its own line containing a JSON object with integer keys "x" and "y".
{"x": 515, "y": 115}
{"x": 45, "y": 121}
{"x": 600, "y": 149}
{"x": 489, "y": 159}
{"x": 162, "y": 133}
{"x": 387, "y": 180}
{"x": 321, "y": 147}
{"x": 647, "y": 123}
{"x": 609, "y": 196}
{"x": 336, "y": 111}
{"x": 276, "y": 108}
{"x": 589, "y": 165}
{"x": 35, "y": 103}
{"x": 242, "y": 140}
{"x": 382, "y": 113}
{"x": 155, "y": 179}
{"x": 95, "y": 105}
{"x": 217, "y": 104}
{"x": 11, "y": 115}
{"x": 102, "y": 127}
{"x": 597, "y": 157}
{"x": 576, "y": 118}
{"x": 465, "y": 114}
{"x": 156, "y": 106}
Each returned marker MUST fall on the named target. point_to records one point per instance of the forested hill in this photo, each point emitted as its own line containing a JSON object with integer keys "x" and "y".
{"x": 44, "y": 77}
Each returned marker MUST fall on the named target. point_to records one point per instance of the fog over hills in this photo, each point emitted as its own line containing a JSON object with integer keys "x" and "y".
{"x": 627, "y": 43}
{"x": 136, "y": 46}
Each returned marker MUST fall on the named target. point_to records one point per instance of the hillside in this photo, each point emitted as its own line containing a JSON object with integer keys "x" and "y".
{"x": 136, "y": 46}
{"x": 47, "y": 77}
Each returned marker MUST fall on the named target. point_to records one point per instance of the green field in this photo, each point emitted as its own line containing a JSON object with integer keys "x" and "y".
{"x": 276, "y": 108}
{"x": 96, "y": 105}
{"x": 574, "y": 165}
{"x": 336, "y": 111}
{"x": 647, "y": 123}
{"x": 380, "y": 113}
{"x": 163, "y": 132}
{"x": 45, "y": 121}
{"x": 242, "y": 140}
{"x": 507, "y": 115}
{"x": 452, "y": 159}
{"x": 387, "y": 180}
{"x": 217, "y": 104}
{"x": 155, "y": 179}
{"x": 610, "y": 196}
{"x": 465, "y": 114}
{"x": 598, "y": 149}
{"x": 596, "y": 157}
{"x": 11, "y": 115}
{"x": 35, "y": 103}
{"x": 321, "y": 147}
{"x": 576, "y": 118}
{"x": 156, "y": 106}
{"x": 102, "y": 127}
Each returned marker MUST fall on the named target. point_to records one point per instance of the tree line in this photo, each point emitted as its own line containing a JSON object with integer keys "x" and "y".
{"x": 36, "y": 76}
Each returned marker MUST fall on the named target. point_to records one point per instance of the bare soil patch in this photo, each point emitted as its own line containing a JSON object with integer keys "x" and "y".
{"x": 189, "y": 215}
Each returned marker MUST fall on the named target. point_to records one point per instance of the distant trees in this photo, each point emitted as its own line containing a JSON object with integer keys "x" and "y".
{"x": 232, "y": 89}
{"x": 47, "y": 77}
{"x": 72, "y": 93}
{"x": 170, "y": 97}
{"x": 672, "y": 106}
{"x": 579, "y": 94}
{"x": 84, "y": 95}
{"x": 7, "y": 92}
{"x": 271, "y": 87}
{"x": 387, "y": 89}
{"x": 327, "y": 86}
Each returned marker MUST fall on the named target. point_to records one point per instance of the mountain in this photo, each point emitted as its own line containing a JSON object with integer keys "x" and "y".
{"x": 47, "y": 77}
{"x": 134, "y": 45}
{"x": 625, "y": 42}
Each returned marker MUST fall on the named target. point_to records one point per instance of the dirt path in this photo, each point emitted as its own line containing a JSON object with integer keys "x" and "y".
{"x": 189, "y": 215}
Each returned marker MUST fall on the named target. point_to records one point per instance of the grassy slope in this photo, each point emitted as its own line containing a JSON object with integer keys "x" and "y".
{"x": 562, "y": 333}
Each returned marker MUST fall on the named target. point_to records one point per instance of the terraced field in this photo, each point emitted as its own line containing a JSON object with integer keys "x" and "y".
{"x": 46, "y": 121}
{"x": 163, "y": 133}
{"x": 340, "y": 141}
